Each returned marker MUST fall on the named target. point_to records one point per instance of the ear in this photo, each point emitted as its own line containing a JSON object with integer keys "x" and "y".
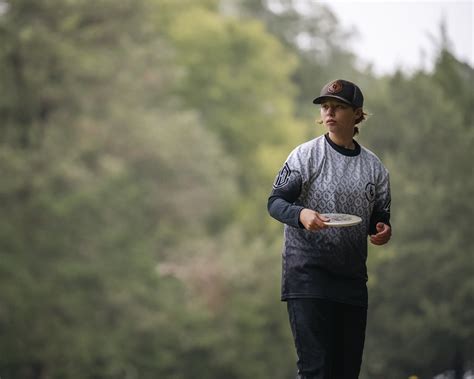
{"x": 358, "y": 113}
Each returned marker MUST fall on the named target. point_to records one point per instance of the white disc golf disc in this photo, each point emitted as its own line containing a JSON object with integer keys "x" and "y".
{"x": 340, "y": 220}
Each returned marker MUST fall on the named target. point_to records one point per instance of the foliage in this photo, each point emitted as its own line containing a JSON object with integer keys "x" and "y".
{"x": 138, "y": 143}
{"x": 421, "y": 296}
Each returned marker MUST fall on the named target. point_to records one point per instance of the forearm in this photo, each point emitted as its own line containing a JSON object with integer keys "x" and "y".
{"x": 284, "y": 211}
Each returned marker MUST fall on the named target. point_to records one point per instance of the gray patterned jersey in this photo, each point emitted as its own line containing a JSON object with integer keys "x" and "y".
{"x": 322, "y": 176}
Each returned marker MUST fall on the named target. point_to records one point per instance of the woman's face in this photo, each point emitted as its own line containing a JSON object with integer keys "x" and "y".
{"x": 339, "y": 116}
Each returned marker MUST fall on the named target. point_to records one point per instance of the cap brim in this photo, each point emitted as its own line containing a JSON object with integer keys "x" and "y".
{"x": 320, "y": 99}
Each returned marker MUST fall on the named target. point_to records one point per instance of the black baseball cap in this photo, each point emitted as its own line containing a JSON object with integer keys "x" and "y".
{"x": 342, "y": 90}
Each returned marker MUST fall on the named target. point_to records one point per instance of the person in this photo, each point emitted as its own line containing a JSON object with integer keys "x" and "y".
{"x": 324, "y": 272}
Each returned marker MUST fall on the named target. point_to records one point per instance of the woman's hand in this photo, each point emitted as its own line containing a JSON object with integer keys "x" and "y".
{"x": 312, "y": 220}
{"x": 384, "y": 232}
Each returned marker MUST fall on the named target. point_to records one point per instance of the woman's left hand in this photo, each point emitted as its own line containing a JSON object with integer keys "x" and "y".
{"x": 384, "y": 232}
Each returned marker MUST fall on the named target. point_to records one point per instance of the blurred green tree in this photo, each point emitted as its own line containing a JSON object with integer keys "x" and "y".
{"x": 138, "y": 143}
{"x": 421, "y": 319}
{"x": 310, "y": 31}
{"x": 112, "y": 260}
{"x": 99, "y": 188}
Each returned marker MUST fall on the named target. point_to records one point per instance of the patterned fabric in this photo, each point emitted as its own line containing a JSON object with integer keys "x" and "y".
{"x": 322, "y": 176}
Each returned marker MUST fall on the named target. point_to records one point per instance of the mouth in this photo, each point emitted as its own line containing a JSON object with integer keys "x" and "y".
{"x": 330, "y": 121}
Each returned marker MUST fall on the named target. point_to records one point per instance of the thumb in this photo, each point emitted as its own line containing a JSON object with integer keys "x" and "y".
{"x": 380, "y": 226}
{"x": 322, "y": 217}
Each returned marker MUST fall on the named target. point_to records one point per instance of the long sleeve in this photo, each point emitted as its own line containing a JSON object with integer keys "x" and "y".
{"x": 381, "y": 211}
{"x": 286, "y": 190}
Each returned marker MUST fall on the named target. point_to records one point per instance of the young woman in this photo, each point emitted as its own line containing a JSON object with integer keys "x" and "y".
{"x": 324, "y": 268}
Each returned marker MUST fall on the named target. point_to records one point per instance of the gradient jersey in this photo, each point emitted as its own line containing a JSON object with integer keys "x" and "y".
{"x": 327, "y": 178}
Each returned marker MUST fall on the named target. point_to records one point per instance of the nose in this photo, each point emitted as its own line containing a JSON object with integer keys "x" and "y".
{"x": 331, "y": 110}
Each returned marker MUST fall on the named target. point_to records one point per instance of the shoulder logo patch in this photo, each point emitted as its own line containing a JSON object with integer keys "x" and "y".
{"x": 283, "y": 177}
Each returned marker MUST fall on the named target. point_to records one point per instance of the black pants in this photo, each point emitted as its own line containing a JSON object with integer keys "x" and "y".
{"x": 329, "y": 338}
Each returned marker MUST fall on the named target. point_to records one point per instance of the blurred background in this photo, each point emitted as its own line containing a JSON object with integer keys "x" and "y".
{"x": 139, "y": 142}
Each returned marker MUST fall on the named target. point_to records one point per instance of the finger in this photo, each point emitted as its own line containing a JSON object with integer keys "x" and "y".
{"x": 310, "y": 226}
{"x": 317, "y": 226}
{"x": 378, "y": 236}
{"x": 381, "y": 233}
{"x": 385, "y": 231}
{"x": 374, "y": 238}
{"x": 387, "y": 234}
{"x": 319, "y": 220}
{"x": 380, "y": 226}
{"x": 322, "y": 224}
{"x": 322, "y": 218}
{"x": 379, "y": 240}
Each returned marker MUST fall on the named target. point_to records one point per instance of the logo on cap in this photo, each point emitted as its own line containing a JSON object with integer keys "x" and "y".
{"x": 335, "y": 87}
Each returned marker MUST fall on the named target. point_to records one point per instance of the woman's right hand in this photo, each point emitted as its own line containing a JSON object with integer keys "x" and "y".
{"x": 312, "y": 220}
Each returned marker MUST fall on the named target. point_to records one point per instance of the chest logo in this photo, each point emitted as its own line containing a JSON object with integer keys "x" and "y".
{"x": 283, "y": 177}
{"x": 370, "y": 192}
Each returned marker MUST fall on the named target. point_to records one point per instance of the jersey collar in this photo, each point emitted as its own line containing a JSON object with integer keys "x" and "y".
{"x": 343, "y": 150}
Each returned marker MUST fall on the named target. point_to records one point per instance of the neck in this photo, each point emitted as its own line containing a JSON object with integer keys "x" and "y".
{"x": 342, "y": 140}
